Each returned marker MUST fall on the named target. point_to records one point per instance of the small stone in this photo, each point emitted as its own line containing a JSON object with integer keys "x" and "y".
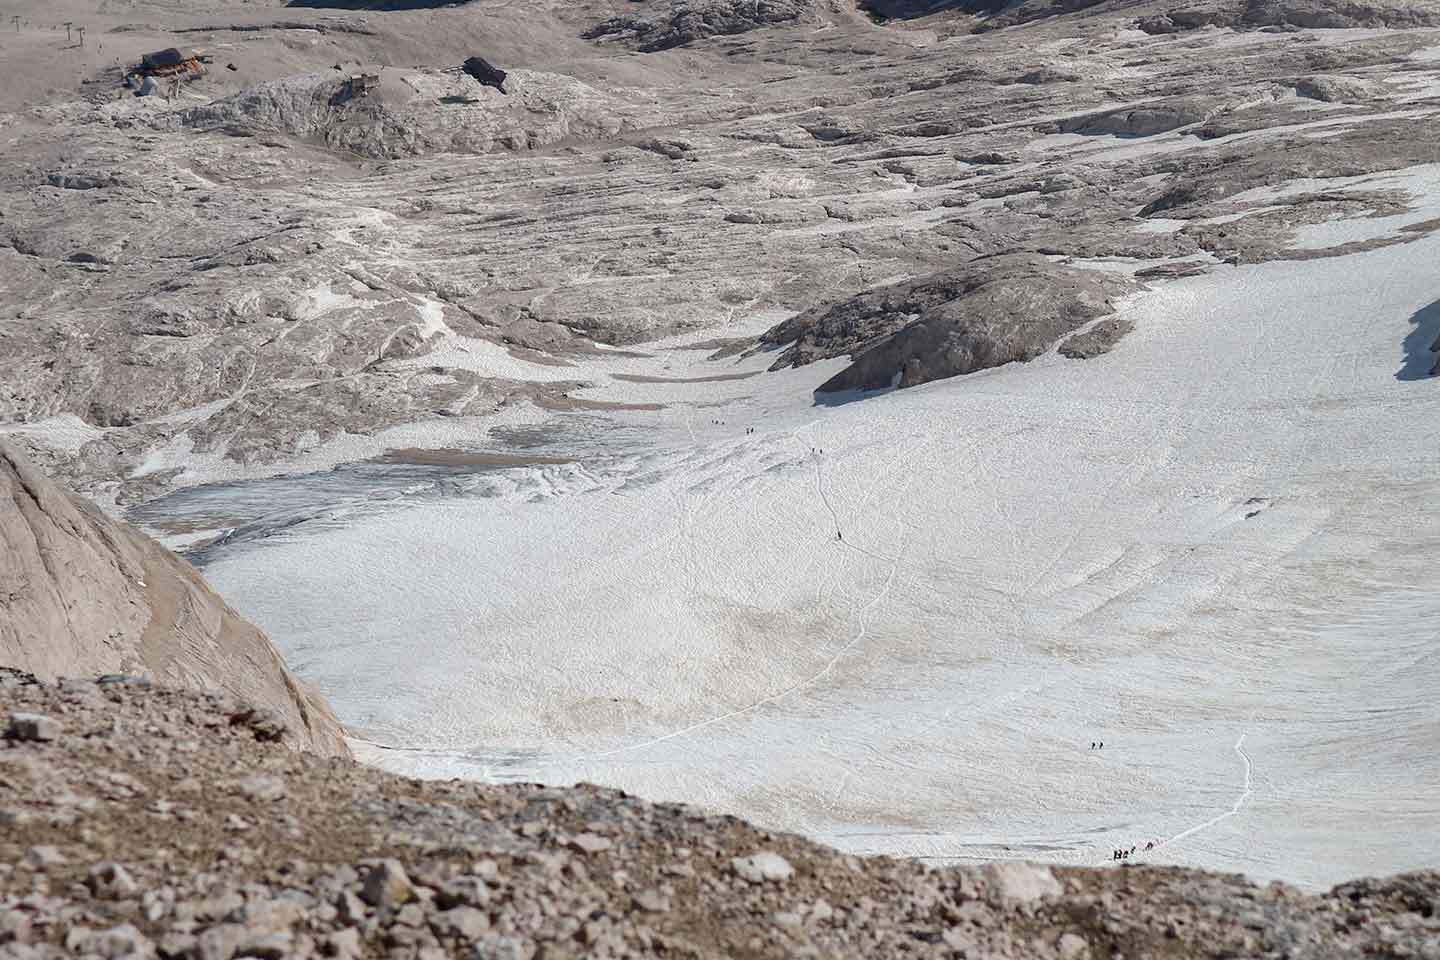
{"x": 220, "y": 941}
{"x": 155, "y": 907}
{"x": 462, "y": 892}
{"x": 763, "y": 866}
{"x": 343, "y": 944}
{"x": 121, "y": 941}
{"x": 959, "y": 941}
{"x": 111, "y": 881}
{"x": 460, "y": 923}
{"x": 77, "y": 939}
{"x": 410, "y": 915}
{"x": 260, "y": 787}
{"x": 589, "y": 843}
{"x": 220, "y": 906}
{"x": 1017, "y": 883}
{"x": 176, "y": 944}
{"x": 267, "y": 946}
{"x": 652, "y": 901}
{"x": 387, "y": 885}
{"x": 820, "y": 911}
{"x": 1072, "y": 946}
{"x": 16, "y": 817}
{"x": 15, "y": 927}
{"x": 495, "y": 947}
{"x": 787, "y": 919}
{"x": 32, "y": 727}
{"x": 349, "y": 909}
{"x": 44, "y": 855}
{"x": 273, "y": 916}
{"x": 265, "y": 723}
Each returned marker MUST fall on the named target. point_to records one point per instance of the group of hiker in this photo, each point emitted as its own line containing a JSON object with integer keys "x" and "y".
{"x": 1120, "y": 854}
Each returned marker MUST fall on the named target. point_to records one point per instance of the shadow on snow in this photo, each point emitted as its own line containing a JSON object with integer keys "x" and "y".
{"x": 1421, "y": 344}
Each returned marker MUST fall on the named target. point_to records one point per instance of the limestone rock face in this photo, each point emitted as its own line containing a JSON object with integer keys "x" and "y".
{"x": 991, "y": 311}
{"x": 689, "y": 20}
{"x": 83, "y": 595}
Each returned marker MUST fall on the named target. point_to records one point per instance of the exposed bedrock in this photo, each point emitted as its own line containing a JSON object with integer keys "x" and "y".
{"x": 991, "y": 311}
{"x": 1315, "y": 14}
{"x": 685, "y": 21}
{"x": 83, "y": 595}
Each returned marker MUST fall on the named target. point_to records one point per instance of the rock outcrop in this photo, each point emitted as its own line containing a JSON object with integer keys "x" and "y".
{"x": 420, "y": 112}
{"x": 1295, "y": 14}
{"x": 991, "y": 311}
{"x": 83, "y": 595}
{"x": 201, "y": 841}
{"x": 688, "y": 20}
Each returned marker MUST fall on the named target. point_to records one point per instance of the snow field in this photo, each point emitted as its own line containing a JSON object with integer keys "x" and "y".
{"x": 1212, "y": 549}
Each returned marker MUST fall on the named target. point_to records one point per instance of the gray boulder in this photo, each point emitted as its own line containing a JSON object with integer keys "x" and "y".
{"x": 1098, "y": 340}
{"x": 1147, "y": 120}
{"x": 1337, "y": 89}
{"x": 991, "y": 311}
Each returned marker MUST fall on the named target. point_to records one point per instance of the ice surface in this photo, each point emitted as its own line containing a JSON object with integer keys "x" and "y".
{"x": 1213, "y": 549}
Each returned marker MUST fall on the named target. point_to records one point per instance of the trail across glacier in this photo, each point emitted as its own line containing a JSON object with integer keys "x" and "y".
{"x": 1245, "y": 793}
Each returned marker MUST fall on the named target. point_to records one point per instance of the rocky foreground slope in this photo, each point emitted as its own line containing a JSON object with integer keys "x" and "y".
{"x": 82, "y": 594}
{"x": 145, "y": 821}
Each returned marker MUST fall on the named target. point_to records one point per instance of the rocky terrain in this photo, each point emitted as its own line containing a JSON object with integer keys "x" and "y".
{"x": 144, "y": 821}
{"x": 269, "y": 270}
{"x": 336, "y": 247}
{"x": 82, "y": 594}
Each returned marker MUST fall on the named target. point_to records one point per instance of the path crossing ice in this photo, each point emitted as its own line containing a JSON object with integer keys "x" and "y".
{"x": 1216, "y": 543}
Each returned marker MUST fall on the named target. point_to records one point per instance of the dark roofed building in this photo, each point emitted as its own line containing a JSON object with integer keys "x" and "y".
{"x": 170, "y": 61}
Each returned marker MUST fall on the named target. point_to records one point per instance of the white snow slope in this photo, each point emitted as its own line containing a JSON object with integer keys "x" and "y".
{"x": 1214, "y": 549}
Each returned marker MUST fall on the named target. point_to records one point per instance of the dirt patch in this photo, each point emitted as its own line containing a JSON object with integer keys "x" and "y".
{"x": 565, "y": 404}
